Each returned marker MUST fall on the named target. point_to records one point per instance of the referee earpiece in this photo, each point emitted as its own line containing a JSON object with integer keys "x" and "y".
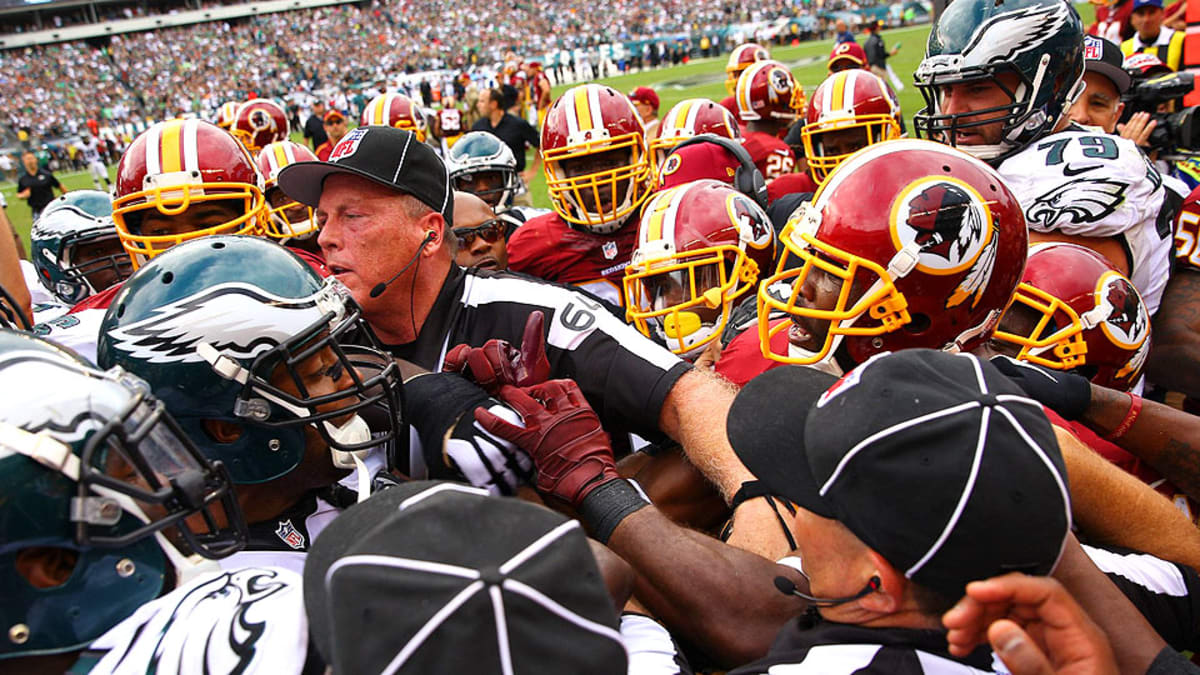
{"x": 382, "y": 286}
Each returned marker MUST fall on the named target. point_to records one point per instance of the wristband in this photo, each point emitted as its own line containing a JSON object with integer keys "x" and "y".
{"x": 606, "y": 506}
{"x": 1135, "y": 408}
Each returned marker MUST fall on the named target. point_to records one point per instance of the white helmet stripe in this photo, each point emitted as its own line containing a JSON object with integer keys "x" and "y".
{"x": 191, "y": 157}
{"x": 594, "y": 104}
{"x": 153, "y": 150}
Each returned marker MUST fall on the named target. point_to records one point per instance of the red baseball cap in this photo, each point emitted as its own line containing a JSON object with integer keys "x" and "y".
{"x": 644, "y": 95}
{"x": 696, "y": 161}
{"x": 850, "y": 51}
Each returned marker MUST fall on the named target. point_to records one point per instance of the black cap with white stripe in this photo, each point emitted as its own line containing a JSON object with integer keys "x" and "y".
{"x": 934, "y": 460}
{"x": 437, "y": 577}
{"x": 391, "y": 157}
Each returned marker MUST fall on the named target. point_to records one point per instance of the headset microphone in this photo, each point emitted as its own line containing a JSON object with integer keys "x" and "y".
{"x": 382, "y": 286}
{"x": 786, "y": 587}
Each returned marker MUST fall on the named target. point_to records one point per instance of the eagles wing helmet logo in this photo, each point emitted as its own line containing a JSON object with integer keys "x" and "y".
{"x": 1012, "y": 33}
{"x": 248, "y": 320}
{"x": 1083, "y": 200}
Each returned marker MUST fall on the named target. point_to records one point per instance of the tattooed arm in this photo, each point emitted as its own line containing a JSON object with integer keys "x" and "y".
{"x": 1175, "y": 356}
{"x": 1163, "y": 437}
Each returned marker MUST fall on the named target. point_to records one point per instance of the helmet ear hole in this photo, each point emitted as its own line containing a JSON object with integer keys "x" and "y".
{"x": 919, "y": 323}
{"x": 168, "y": 277}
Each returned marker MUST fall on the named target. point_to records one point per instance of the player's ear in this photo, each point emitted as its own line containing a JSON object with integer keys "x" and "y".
{"x": 222, "y": 431}
{"x": 46, "y": 566}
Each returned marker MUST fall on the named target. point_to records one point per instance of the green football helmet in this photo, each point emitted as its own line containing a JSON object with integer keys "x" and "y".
{"x": 75, "y": 246}
{"x": 95, "y": 476}
{"x": 232, "y": 329}
{"x": 480, "y": 163}
{"x": 1041, "y": 41}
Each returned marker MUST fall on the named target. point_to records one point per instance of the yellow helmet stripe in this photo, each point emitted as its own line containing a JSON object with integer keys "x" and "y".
{"x": 171, "y": 146}
{"x": 583, "y": 109}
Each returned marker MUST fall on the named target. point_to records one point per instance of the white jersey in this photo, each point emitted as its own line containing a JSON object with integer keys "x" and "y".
{"x": 1081, "y": 181}
{"x": 79, "y": 331}
{"x": 249, "y": 620}
{"x": 90, "y": 149}
{"x": 46, "y": 306}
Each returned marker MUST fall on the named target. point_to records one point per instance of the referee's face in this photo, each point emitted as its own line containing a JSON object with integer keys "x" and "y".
{"x": 367, "y": 237}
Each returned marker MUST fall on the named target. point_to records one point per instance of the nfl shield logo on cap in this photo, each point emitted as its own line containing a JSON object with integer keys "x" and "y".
{"x": 348, "y": 145}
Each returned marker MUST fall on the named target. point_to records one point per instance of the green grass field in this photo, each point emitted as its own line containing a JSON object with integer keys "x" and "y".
{"x": 700, "y": 78}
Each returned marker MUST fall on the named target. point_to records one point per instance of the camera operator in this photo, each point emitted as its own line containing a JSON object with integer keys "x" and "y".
{"x": 1101, "y": 103}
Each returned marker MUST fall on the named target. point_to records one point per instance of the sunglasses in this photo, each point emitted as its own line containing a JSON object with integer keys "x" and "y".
{"x": 490, "y": 231}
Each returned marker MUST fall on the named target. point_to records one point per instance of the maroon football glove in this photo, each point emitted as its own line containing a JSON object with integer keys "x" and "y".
{"x": 497, "y": 363}
{"x": 562, "y": 434}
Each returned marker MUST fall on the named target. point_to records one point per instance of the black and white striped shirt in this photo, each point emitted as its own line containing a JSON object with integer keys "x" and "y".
{"x": 624, "y": 375}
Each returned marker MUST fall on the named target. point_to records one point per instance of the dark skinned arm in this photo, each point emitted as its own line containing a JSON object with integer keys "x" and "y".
{"x": 1133, "y": 641}
{"x": 1161, "y": 436}
{"x": 708, "y": 592}
{"x": 1174, "y": 361}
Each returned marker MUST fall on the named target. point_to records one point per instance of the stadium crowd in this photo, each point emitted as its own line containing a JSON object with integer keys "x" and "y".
{"x": 774, "y": 386}
{"x": 51, "y": 90}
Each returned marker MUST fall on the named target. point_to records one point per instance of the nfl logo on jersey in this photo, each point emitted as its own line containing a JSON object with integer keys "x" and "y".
{"x": 290, "y": 535}
{"x": 609, "y": 249}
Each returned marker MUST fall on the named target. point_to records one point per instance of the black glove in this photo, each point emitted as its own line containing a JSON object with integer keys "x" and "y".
{"x": 1065, "y": 393}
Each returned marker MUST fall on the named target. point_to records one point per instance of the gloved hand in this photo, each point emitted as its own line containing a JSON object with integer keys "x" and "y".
{"x": 1065, "y": 393}
{"x": 497, "y": 363}
{"x": 562, "y": 434}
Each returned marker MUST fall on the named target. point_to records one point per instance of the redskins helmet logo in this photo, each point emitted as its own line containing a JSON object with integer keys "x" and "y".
{"x": 753, "y": 225}
{"x": 261, "y": 121}
{"x": 945, "y": 220}
{"x": 781, "y": 82}
{"x": 949, "y": 226}
{"x": 671, "y": 165}
{"x": 1127, "y": 323}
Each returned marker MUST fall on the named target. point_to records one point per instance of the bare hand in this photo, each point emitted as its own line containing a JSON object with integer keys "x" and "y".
{"x": 1032, "y": 624}
{"x": 1138, "y": 128}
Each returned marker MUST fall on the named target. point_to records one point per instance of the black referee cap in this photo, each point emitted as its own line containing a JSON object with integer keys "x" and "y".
{"x": 934, "y": 460}
{"x": 437, "y": 577}
{"x": 391, "y": 157}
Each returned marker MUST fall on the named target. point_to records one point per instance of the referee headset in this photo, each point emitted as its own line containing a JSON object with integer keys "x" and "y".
{"x": 747, "y": 179}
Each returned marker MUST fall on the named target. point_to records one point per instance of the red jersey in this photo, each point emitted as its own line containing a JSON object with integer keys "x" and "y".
{"x": 548, "y": 248}
{"x": 450, "y": 122}
{"x": 730, "y": 103}
{"x": 743, "y": 359}
{"x": 323, "y": 151}
{"x": 771, "y": 155}
{"x": 541, "y": 89}
{"x": 790, "y": 183}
